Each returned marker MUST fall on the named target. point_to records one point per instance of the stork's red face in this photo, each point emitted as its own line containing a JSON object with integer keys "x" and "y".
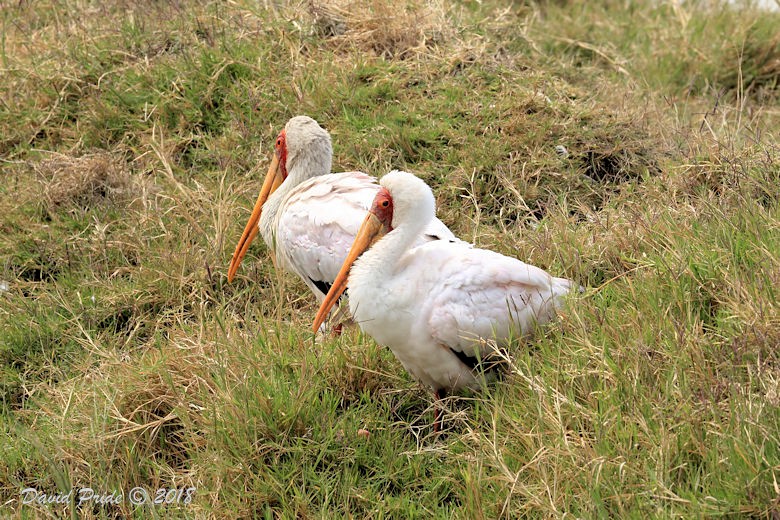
{"x": 377, "y": 224}
{"x": 277, "y": 173}
{"x": 281, "y": 152}
{"x": 383, "y": 208}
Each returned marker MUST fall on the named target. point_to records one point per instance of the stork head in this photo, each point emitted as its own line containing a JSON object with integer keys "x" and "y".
{"x": 308, "y": 151}
{"x": 303, "y": 148}
{"x": 412, "y": 200}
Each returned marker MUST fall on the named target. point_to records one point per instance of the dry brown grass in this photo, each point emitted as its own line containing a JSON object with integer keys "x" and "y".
{"x": 86, "y": 180}
{"x": 390, "y": 30}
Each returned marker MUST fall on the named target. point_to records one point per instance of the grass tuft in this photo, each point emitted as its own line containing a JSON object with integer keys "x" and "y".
{"x": 84, "y": 181}
{"x": 389, "y": 31}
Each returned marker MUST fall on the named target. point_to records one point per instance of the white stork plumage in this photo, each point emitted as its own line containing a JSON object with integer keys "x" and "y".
{"x": 435, "y": 305}
{"x": 308, "y": 216}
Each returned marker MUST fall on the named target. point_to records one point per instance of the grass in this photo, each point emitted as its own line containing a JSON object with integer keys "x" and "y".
{"x": 630, "y": 148}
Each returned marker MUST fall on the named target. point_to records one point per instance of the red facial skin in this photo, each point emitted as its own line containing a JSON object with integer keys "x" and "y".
{"x": 383, "y": 208}
{"x": 281, "y": 152}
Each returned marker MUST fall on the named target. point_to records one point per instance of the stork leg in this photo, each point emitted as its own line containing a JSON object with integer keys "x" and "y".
{"x": 438, "y": 395}
{"x": 339, "y": 316}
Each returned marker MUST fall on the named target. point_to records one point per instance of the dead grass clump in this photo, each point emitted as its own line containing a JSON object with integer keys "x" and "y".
{"x": 84, "y": 181}
{"x": 157, "y": 405}
{"x": 758, "y": 72}
{"x": 387, "y": 29}
{"x": 150, "y": 413}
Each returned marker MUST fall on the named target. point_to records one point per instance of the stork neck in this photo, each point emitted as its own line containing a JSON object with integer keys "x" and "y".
{"x": 268, "y": 216}
{"x": 386, "y": 254}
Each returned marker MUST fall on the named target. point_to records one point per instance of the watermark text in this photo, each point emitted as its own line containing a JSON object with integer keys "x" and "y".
{"x": 88, "y": 496}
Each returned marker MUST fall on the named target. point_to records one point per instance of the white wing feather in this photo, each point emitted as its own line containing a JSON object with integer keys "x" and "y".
{"x": 318, "y": 222}
{"x": 480, "y": 294}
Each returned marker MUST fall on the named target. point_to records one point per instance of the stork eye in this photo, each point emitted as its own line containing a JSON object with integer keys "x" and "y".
{"x": 385, "y": 203}
{"x": 279, "y": 142}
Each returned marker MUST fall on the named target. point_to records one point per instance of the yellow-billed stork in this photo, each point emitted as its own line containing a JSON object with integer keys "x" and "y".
{"x": 435, "y": 304}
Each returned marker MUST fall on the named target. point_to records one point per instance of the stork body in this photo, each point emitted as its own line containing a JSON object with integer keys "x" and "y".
{"x": 435, "y": 304}
{"x": 309, "y": 217}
